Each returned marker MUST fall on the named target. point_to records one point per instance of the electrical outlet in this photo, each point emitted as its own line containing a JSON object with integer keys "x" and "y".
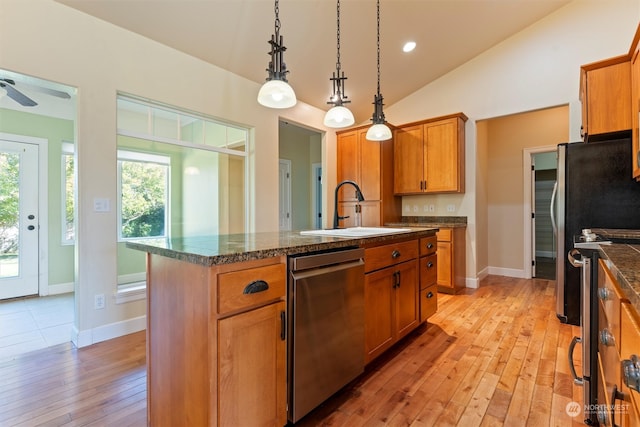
{"x": 415, "y": 208}
{"x": 432, "y": 208}
{"x": 98, "y": 302}
{"x": 451, "y": 208}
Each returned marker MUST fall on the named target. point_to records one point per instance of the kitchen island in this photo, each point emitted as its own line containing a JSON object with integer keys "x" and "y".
{"x": 216, "y": 321}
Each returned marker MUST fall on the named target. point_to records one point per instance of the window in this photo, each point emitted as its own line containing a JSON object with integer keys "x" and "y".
{"x": 68, "y": 203}
{"x": 143, "y": 183}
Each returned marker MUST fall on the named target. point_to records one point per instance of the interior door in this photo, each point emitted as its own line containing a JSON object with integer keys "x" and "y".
{"x": 18, "y": 219}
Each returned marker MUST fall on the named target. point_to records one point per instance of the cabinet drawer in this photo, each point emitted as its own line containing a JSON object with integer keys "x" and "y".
{"x": 630, "y": 345}
{"x": 394, "y": 253}
{"x": 428, "y": 271}
{"x": 234, "y": 288}
{"x": 428, "y": 302}
{"x": 428, "y": 245}
{"x": 444, "y": 234}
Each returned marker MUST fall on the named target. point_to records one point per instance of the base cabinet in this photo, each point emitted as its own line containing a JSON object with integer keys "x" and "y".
{"x": 618, "y": 342}
{"x": 391, "y": 295}
{"x": 247, "y": 375}
{"x": 451, "y": 259}
{"x": 204, "y": 325}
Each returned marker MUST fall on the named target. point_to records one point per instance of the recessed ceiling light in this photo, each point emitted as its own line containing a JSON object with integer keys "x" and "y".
{"x": 409, "y": 46}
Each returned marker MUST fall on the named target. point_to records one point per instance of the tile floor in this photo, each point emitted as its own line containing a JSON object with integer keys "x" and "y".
{"x": 29, "y": 324}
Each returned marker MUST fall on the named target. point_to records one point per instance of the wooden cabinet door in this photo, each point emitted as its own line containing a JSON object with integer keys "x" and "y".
{"x": 408, "y": 173}
{"x": 407, "y": 315}
{"x": 252, "y": 368}
{"x": 635, "y": 110}
{"x": 370, "y": 162}
{"x": 608, "y": 98}
{"x": 370, "y": 214}
{"x": 441, "y": 156}
{"x": 347, "y": 163}
{"x": 378, "y": 323}
{"x": 445, "y": 276}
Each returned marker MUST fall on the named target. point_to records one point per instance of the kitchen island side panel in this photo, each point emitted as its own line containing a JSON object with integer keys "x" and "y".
{"x": 181, "y": 363}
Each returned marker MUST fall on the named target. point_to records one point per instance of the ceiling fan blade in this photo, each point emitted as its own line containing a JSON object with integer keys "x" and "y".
{"x": 18, "y": 96}
{"x": 52, "y": 92}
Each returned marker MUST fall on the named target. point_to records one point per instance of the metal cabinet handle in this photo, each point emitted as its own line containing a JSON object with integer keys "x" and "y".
{"x": 631, "y": 372}
{"x": 429, "y": 264}
{"x": 283, "y": 325}
{"x": 430, "y": 294}
{"x": 604, "y": 294}
{"x": 606, "y": 337}
{"x": 395, "y": 254}
{"x": 429, "y": 245}
{"x": 396, "y": 279}
{"x": 255, "y": 287}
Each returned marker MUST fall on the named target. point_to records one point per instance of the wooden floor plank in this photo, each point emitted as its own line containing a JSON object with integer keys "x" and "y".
{"x": 492, "y": 356}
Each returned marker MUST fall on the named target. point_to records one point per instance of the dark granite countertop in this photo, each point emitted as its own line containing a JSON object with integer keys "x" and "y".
{"x": 623, "y": 260}
{"x": 231, "y": 248}
{"x": 431, "y": 221}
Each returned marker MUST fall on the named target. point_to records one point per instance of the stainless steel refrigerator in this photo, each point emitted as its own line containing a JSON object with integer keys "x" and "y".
{"x": 594, "y": 189}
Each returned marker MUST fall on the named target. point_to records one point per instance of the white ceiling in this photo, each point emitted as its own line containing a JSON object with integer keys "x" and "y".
{"x": 233, "y": 35}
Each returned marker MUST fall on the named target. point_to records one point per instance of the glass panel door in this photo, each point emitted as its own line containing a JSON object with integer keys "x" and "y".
{"x": 18, "y": 219}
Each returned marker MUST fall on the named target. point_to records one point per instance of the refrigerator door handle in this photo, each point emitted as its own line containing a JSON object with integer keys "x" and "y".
{"x": 552, "y": 208}
{"x": 577, "y": 380}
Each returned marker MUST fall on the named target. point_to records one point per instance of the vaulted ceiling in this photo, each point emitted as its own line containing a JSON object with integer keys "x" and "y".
{"x": 233, "y": 35}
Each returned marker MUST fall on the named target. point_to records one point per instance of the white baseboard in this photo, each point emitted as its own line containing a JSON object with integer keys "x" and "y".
{"x": 60, "y": 288}
{"x": 107, "y": 332}
{"x": 472, "y": 283}
{"x": 509, "y": 272}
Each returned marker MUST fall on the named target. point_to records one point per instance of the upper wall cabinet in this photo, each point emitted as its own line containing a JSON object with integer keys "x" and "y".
{"x": 429, "y": 156}
{"x": 635, "y": 102}
{"x": 370, "y": 165}
{"x": 605, "y": 93}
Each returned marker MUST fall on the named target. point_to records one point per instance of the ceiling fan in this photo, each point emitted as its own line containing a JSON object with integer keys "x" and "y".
{"x": 24, "y": 100}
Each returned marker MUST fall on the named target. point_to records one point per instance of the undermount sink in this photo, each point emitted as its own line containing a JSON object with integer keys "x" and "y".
{"x": 356, "y": 231}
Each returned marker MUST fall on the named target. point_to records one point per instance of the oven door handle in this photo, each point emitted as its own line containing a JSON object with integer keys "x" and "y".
{"x": 577, "y": 380}
{"x": 576, "y": 262}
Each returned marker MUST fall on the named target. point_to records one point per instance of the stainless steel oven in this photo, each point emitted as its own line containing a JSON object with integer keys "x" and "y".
{"x": 587, "y": 261}
{"x": 326, "y": 326}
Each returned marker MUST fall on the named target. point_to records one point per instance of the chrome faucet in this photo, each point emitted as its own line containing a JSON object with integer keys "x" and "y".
{"x": 359, "y": 196}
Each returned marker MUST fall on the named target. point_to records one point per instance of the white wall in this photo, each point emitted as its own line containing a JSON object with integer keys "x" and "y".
{"x": 537, "y": 68}
{"x": 48, "y": 40}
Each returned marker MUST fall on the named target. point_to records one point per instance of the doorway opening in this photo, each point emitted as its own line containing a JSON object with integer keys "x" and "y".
{"x": 302, "y": 149}
{"x": 37, "y": 241}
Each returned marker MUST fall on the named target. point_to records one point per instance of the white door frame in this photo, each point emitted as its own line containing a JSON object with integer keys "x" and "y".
{"x": 529, "y": 194}
{"x": 43, "y": 234}
{"x": 284, "y": 195}
{"x": 315, "y": 209}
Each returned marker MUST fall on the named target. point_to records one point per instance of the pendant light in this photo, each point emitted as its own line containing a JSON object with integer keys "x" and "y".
{"x": 338, "y": 116}
{"x": 379, "y": 131}
{"x": 276, "y": 92}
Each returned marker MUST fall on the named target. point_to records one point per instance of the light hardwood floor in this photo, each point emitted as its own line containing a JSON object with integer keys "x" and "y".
{"x": 490, "y": 357}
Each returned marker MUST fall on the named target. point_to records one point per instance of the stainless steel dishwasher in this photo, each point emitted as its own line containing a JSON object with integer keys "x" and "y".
{"x": 326, "y": 326}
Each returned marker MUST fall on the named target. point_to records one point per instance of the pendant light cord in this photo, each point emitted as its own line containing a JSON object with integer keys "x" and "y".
{"x": 338, "y": 37}
{"x": 378, "y": 47}
{"x": 277, "y": 23}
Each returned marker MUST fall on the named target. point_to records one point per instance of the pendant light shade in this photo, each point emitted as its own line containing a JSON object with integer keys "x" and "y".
{"x": 276, "y": 92}
{"x": 379, "y": 131}
{"x": 338, "y": 116}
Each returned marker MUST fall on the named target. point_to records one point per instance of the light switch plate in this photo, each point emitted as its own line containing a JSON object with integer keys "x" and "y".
{"x": 101, "y": 204}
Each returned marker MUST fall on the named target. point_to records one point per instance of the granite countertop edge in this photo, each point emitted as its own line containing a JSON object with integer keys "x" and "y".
{"x": 229, "y": 249}
{"x": 624, "y": 262}
{"x": 430, "y": 221}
